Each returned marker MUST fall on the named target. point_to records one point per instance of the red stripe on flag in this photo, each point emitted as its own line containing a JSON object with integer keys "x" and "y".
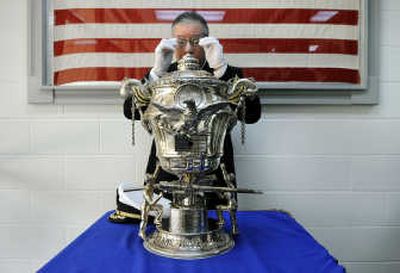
{"x": 319, "y": 46}
{"x": 105, "y": 45}
{"x": 309, "y": 75}
{"x": 222, "y": 16}
{"x": 328, "y": 46}
{"x": 98, "y": 74}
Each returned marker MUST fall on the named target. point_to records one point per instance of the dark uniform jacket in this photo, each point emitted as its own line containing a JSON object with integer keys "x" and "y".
{"x": 253, "y": 113}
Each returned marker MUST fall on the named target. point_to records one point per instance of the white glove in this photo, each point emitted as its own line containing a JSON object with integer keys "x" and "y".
{"x": 214, "y": 55}
{"x": 163, "y": 57}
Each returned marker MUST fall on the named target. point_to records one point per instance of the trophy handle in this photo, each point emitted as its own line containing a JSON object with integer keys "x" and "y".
{"x": 241, "y": 87}
{"x": 134, "y": 88}
{"x": 139, "y": 94}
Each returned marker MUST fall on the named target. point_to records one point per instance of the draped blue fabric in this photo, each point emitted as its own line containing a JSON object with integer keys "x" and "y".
{"x": 270, "y": 241}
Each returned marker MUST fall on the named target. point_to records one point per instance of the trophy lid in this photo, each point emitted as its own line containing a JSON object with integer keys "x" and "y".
{"x": 188, "y": 62}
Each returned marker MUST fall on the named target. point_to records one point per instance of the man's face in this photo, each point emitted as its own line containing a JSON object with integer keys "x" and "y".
{"x": 188, "y": 35}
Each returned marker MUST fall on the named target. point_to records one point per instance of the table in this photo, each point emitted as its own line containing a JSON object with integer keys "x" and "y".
{"x": 270, "y": 241}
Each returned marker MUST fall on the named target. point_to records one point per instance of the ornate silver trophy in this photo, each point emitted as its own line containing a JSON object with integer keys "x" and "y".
{"x": 189, "y": 112}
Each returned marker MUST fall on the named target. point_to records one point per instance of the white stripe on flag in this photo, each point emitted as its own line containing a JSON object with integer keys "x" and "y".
{"x": 304, "y": 4}
{"x": 77, "y": 31}
{"x": 241, "y": 60}
{"x": 294, "y": 60}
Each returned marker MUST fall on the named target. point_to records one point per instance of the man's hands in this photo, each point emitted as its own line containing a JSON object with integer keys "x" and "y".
{"x": 214, "y": 55}
{"x": 164, "y": 53}
{"x": 163, "y": 57}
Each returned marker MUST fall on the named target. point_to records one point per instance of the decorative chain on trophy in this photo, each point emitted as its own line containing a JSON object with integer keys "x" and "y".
{"x": 133, "y": 120}
{"x": 243, "y": 121}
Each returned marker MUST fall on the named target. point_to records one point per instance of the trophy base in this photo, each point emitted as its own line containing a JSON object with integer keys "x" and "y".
{"x": 198, "y": 245}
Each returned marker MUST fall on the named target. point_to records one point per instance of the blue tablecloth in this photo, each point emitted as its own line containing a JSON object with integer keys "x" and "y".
{"x": 270, "y": 241}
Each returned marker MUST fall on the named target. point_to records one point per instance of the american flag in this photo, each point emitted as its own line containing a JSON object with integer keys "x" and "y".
{"x": 296, "y": 41}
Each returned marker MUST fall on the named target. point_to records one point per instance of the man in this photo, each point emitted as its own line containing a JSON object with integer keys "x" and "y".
{"x": 190, "y": 35}
{"x": 190, "y": 32}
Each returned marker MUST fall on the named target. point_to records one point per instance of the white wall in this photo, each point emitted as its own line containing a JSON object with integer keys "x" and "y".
{"x": 335, "y": 168}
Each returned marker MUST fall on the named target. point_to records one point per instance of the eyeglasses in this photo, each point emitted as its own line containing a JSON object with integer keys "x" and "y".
{"x": 194, "y": 42}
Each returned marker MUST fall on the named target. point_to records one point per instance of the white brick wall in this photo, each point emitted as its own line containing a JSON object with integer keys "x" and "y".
{"x": 335, "y": 168}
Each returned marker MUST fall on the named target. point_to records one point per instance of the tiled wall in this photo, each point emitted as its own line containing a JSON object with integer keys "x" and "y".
{"x": 335, "y": 168}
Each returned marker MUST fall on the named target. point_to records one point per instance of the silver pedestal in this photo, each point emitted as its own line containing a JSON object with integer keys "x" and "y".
{"x": 189, "y": 234}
